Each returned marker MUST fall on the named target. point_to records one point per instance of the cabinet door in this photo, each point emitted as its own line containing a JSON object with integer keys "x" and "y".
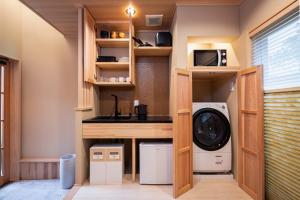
{"x": 251, "y": 135}
{"x": 182, "y": 133}
{"x": 89, "y": 47}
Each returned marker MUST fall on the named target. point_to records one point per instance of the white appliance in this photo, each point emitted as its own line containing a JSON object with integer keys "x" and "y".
{"x": 156, "y": 163}
{"x": 211, "y": 136}
{"x": 106, "y": 164}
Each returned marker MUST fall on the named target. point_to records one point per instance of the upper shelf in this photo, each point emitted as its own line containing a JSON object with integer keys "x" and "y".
{"x": 152, "y": 51}
{"x": 211, "y": 72}
{"x": 114, "y": 84}
{"x": 114, "y": 43}
{"x": 113, "y": 65}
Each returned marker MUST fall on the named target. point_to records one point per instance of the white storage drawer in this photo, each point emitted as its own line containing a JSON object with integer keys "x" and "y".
{"x": 156, "y": 163}
{"x": 106, "y": 164}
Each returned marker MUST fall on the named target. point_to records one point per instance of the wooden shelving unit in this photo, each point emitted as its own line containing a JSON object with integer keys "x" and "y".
{"x": 152, "y": 51}
{"x": 204, "y": 71}
{"x": 113, "y": 43}
{"x": 114, "y": 84}
{"x": 113, "y": 65}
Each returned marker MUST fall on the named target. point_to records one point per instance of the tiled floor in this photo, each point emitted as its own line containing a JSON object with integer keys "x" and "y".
{"x": 210, "y": 189}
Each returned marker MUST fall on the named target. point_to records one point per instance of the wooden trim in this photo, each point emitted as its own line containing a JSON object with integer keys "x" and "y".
{"x": 183, "y": 111}
{"x": 249, "y": 70}
{"x": 152, "y": 51}
{"x": 80, "y": 64}
{"x": 249, "y": 151}
{"x": 277, "y": 16}
{"x": 254, "y": 112}
{"x": 293, "y": 89}
{"x": 15, "y": 120}
{"x": 127, "y": 130}
{"x": 112, "y": 22}
{"x": 70, "y": 195}
{"x": 182, "y": 71}
{"x": 207, "y": 3}
{"x": 88, "y": 108}
{"x": 48, "y": 160}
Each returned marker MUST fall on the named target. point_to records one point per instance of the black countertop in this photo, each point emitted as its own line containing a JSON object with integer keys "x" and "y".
{"x": 133, "y": 119}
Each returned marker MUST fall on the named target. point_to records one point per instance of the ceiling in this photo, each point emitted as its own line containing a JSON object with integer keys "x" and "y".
{"x": 62, "y": 14}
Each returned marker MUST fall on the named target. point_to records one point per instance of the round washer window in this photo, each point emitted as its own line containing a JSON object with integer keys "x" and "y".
{"x": 211, "y": 129}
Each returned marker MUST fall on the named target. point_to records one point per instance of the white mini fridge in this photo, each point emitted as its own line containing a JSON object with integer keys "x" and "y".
{"x": 156, "y": 163}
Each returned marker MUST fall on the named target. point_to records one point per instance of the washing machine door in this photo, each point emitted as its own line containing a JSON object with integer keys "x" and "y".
{"x": 211, "y": 129}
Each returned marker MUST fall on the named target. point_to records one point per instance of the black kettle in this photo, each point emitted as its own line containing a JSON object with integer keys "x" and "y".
{"x": 141, "y": 111}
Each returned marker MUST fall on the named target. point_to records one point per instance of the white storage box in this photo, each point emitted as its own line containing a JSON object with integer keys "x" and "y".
{"x": 106, "y": 164}
{"x": 156, "y": 163}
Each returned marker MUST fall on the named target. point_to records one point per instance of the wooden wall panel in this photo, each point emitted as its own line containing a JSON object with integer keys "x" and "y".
{"x": 37, "y": 170}
{"x": 202, "y": 90}
{"x": 152, "y": 88}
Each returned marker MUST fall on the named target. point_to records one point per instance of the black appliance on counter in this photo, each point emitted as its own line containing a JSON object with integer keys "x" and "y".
{"x": 141, "y": 43}
{"x": 163, "y": 39}
{"x": 104, "y": 34}
{"x": 141, "y": 111}
{"x": 106, "y": 59}
{"x": 210, "y": 57}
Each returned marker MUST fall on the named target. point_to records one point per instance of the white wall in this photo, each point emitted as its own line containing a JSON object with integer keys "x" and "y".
{"x": 206, "y": 21}
{"x": 49, "y": 71}
{"x": 10, "y": 30}
{"x": 252, "y": 14}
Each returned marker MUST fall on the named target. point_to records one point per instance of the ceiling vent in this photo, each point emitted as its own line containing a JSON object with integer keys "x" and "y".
{"x": 154, "y": 20}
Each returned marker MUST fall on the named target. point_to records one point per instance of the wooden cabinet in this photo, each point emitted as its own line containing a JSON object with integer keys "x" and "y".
{"x": 127, "y": 130}
{"x": 182, "y": 133}
{"x": 89, "y": 47}
{"x": 100, "y": 73}
{"x": 248, "y": 120}
{"x": 251, "y": 133}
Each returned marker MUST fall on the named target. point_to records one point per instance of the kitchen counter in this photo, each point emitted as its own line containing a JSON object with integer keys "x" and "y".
{"x": 133, "y": 119}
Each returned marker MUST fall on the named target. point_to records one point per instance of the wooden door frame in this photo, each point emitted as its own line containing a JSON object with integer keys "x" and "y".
{"x": 6, "y": 158}
{"x": 260, "y": 137}
{"x": 14, "y": 119}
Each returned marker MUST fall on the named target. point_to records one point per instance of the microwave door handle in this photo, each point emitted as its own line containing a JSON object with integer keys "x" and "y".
{"x": 219, "y": 57}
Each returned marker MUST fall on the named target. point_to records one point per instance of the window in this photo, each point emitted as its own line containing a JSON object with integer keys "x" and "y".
{"x": 278, "y": 49}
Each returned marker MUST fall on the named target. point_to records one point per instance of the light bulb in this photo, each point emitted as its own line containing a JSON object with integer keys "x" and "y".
{"x": 130, "y": 11}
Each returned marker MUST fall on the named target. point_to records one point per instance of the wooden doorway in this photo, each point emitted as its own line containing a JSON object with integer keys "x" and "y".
{"x": 5, "y": 122}
{"x": 251, "y": 134}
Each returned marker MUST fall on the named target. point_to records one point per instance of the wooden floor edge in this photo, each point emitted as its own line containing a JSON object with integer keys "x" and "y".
{"x": 72, "y": 192}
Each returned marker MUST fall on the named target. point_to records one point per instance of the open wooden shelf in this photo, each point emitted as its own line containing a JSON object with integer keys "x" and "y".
{"x": 114, "y": 84}
{"x": 211, "y": 72}
{"x": 152, "y": 51}
{"x": 112, "y": 65}
{"x": 113, "y": 43}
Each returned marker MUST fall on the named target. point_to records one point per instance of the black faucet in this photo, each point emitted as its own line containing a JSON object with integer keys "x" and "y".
{"x": 117, "y": 113}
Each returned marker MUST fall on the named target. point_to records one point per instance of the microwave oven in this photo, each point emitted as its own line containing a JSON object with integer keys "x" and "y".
{"x": 210, "y": 57}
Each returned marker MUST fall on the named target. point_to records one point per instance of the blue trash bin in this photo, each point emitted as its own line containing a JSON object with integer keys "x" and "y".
{"x": 67, "y": 170}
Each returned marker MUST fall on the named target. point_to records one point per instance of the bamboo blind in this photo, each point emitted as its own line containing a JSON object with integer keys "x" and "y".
{"x": 282, "y": 145}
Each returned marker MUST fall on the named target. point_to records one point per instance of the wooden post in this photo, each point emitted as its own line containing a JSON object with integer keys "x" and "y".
{"x": 133, "y": 159}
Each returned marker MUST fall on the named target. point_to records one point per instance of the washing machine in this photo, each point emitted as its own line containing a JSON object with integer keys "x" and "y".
{"x": 211, "y": 138}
